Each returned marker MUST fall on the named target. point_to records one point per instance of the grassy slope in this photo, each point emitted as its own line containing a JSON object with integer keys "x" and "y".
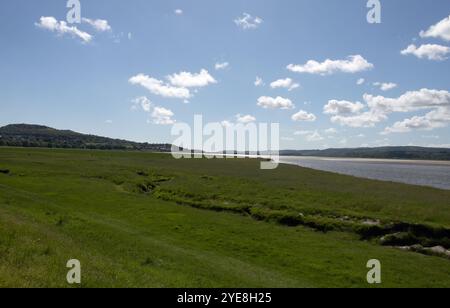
{"x": 57, "y": 205}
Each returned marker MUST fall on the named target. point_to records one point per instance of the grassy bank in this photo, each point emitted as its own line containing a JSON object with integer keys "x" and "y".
{"x": 139, "y": 219}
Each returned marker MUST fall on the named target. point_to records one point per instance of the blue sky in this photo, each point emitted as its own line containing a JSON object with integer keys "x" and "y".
{"x": 50, "y": 75}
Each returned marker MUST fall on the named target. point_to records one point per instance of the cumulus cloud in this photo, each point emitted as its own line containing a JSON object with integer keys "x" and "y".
{"x": 61, "y": 28}
{"x": 178, "y": 85}
{"x": 434, "y": 119}
{"x": 190, "y": 80}
{"x": 379, "y": 107}
{"x": 385, "y": 86}
{"x": 365, "y": 119}
{"x": 304, "y": 116}
{"x": 162, "y": 116}
{"x": 221, "y": 66}
{"x": 342, "y": 107}
{"x": 428, "y": 51}
{"x": 287, "y": 83}
{"x": 439, "y": 30}
{"x": 159, "y": 115}
{"x": 245, "y": 119}
{"x": 247, "y": 21}
{"x": 267, "y": 102}
{"x": 100, "y": 25}
{"x": 353, "y": 64}
{"x": 410, "y": 101}
{"x": 178, "y": 12}
{"x": 158, "y": 87}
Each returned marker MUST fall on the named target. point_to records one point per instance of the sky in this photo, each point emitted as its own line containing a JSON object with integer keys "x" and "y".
{"x": 131, "y": 69}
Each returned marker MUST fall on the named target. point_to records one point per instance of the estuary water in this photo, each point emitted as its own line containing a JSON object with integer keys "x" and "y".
{"x": 425, "y": 173}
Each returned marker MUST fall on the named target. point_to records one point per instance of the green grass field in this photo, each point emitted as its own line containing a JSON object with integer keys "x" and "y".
{"x": 147, "y": 220}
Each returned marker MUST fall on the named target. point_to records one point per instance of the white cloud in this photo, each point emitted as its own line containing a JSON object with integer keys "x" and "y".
{"x": 159, "y": 115}
{"x": 434, "y": 119}
{"x": 429, "y": 51}
{"x": 379, "y": 107}
{"x": 267, "y": 102}
{"x": 178, "y": 12}
{"x": 221, "y": 66}
{"x": 360, "y": 81}
{"x": 259, "y": 82}
{"x": 410, "y": 101}
{"x": 61, "y": 28}
{"x": 190, "y": 80}
{"x": 244, "y": 119}
{"x": 287, "y": 83}
{"x": 162, "y": 116}
{"x": 158, "y": 87}
{"x": 100, "y": 25}
{"x": 303, "y": 116}
{"x": 385, "y": 86}
{"x": 247, "y": 21}
{"x": 439, "y": 30}
{"x": 353, "y": 64}
{"x": 108, "y": 122}
{"x": 342, "y": 107}
{"x": 365, "y": 119}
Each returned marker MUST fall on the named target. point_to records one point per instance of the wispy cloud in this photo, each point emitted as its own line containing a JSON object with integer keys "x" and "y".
{"x": 287, "y": 83}
{"x": 158, "y": 87}
{"x": 385, "y": 86}
{"x": 221, "y": 66}
{"x": 247, "y": 21}
{"x": 259, "y": 82}
{"x": 100, "y": 25}
{"x": 61, "y": 28}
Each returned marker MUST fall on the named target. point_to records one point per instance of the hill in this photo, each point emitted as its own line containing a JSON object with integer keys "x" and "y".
{"x": 24, "y": 135}
{"x": 381, "y": 152}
